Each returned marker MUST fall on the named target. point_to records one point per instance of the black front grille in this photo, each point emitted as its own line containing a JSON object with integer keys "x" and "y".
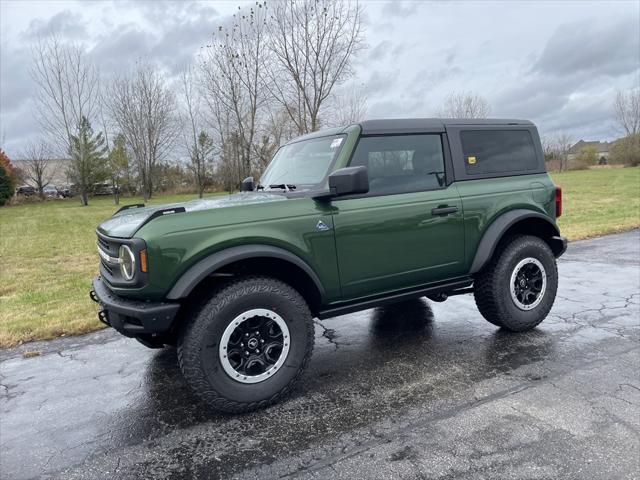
{"x": 106, "y": 266}
{"x": 104, "y": 244}
{"x": 109, "y": 247}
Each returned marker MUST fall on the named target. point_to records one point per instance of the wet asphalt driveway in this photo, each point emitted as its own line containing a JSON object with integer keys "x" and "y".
{"x": 418, "y": 390}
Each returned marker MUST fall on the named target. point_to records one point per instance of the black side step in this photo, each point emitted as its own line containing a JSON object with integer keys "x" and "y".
{"x": 358, "y": 305}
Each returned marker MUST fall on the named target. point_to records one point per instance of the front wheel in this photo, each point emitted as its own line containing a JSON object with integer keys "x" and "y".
{"x": 248, "y": 345}
{"x": 517, "y": 289}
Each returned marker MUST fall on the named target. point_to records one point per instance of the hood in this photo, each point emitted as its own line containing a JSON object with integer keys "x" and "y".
{"x": 126, "y": 223}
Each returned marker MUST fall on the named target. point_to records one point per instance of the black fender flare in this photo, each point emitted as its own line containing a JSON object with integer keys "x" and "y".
{"x": 500, "y": 225}
{"x": 208, "y": 265}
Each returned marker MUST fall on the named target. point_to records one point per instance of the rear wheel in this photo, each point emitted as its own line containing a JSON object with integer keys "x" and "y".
{"x": 248, "y": 345}
{"x": 517, "y": 289}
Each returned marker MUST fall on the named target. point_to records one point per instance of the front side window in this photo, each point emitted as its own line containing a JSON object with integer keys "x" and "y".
{"x": 498, "y": 151}
{"x": 401, "y": 163}
{"x": 302, "y": 165}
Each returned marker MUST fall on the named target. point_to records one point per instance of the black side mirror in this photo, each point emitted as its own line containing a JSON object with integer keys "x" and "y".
{"x": 350, "y": 180}
{"x": 247, "y": 185}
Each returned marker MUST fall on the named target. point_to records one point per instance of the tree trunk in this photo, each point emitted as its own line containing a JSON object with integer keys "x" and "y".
{"x": 146, "y": 191}
{"x": 314, "y": 121}
{"x": 116, "y": 192}
{"x": 83, "y": 198}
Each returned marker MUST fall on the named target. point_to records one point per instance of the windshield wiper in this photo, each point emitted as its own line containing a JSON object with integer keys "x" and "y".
{"x": 284, "y": 186}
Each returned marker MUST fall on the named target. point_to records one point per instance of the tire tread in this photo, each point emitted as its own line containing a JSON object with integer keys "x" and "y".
{"x": 488, "y": 294}
{"x": 194, "y": 329}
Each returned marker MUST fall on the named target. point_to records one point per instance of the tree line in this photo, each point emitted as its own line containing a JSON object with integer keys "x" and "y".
{"x": 267, "y": 75}
{"x": 625, "y": 151}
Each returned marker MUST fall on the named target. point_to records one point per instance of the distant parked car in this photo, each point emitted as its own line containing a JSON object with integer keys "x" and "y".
{"x": 103, "y": 189}
{"x": 26, "y": 190}
{"x": 50, "y": 191}
{"x": 66, "y": 191}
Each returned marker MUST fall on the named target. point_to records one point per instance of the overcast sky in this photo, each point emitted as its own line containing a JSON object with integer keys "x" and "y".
{"x": 556, "y": 63}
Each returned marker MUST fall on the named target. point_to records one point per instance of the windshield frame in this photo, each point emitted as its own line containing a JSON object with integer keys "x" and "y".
{"x": 306, "y": 186}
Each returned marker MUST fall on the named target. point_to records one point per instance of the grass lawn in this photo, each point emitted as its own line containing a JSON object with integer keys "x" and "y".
{"x": 599, "y": 201}
{"x": 48, "y": 254}
{"x": 47, "y": 261}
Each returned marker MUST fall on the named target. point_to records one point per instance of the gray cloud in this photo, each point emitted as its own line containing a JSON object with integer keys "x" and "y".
{"x": 380, "y": 82}
{"x": 400, "y": 9}
{"x": 588, "y": 47}
{"x": 67, "y": 24}
{"x": 380, "y": 50}
{"x": 117, "y": 52}
{"x": 569, "y": 85}
{"x": 557, "y": 65}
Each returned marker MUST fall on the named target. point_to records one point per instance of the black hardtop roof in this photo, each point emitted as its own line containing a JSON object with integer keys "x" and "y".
{"x": 410, "y": 125}
{"x": 414, "y": 125}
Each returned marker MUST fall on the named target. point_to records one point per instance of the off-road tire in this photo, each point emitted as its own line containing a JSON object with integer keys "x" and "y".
{"x": 492, "y": 284}
{"x": 198, "y": 344}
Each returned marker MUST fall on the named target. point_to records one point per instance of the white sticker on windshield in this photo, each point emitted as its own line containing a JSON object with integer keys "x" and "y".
{"x": 336, "y": 142}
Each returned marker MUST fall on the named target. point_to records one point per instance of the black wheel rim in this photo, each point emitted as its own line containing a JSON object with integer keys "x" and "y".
{"x": 254, "y": 346}
{"x": 528, "y": 283}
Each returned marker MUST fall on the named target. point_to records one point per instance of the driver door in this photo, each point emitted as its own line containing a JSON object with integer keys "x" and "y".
{"x": 408, "y": 230}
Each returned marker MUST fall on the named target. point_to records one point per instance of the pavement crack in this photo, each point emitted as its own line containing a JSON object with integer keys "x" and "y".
{"x": 328, "y": 333}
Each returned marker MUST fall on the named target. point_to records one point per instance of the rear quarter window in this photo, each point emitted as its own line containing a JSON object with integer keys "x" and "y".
{"x": 498, "y": 151}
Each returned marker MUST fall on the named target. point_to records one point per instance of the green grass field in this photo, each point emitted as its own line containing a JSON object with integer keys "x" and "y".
{"x": 599, "y": 201}
{"x": 47, "y": 261}
{"x": 48, "y": 257}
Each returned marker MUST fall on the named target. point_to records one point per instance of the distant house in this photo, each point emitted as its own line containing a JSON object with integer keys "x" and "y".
{"x": 57, "y": 169}
{"x": 602, "y": 149}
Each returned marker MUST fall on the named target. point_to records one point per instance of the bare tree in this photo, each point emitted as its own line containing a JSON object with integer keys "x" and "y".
{"x": 465, "y": 105}
{"x": 197, "y": 144}
{"x": 67, "y": 88}
{"x": 349, "y": 106}
{"x": 562, "y": 143}
{"x": 38, "y": 167}
{"x": 67, "y": 94}
{"x": 233, "y": 81}
{"x": 313, "y": 43}
{"x": 143, "y": 108}
{"x": 627, "y": 109}
{"x": 228, "y": 167}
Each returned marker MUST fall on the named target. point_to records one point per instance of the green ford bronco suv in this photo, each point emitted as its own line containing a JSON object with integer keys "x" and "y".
{"x": 342, "y": 220}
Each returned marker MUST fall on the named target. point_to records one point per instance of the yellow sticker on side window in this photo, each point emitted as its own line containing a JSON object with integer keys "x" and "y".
{"x": 471, "y": 160}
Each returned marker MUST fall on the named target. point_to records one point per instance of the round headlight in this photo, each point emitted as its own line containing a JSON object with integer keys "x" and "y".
{"x": 127, "y": 262}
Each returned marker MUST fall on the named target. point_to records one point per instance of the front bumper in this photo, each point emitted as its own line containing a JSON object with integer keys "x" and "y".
{"x": 132, "y": 317}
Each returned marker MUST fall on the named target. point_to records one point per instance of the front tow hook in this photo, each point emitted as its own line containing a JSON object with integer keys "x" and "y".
{"x": 93, "y": 296}
{"x": 103, "y": 317}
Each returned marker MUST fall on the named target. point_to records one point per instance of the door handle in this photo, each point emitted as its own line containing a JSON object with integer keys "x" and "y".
{"x": 444, "y": 211}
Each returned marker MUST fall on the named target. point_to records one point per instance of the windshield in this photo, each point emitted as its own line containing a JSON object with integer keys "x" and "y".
{"x": 302, "y": 165}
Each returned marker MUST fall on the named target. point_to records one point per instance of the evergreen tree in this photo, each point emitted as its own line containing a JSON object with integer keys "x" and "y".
{"x": 118, "y": 164}
{"x": 88, "y": 165}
